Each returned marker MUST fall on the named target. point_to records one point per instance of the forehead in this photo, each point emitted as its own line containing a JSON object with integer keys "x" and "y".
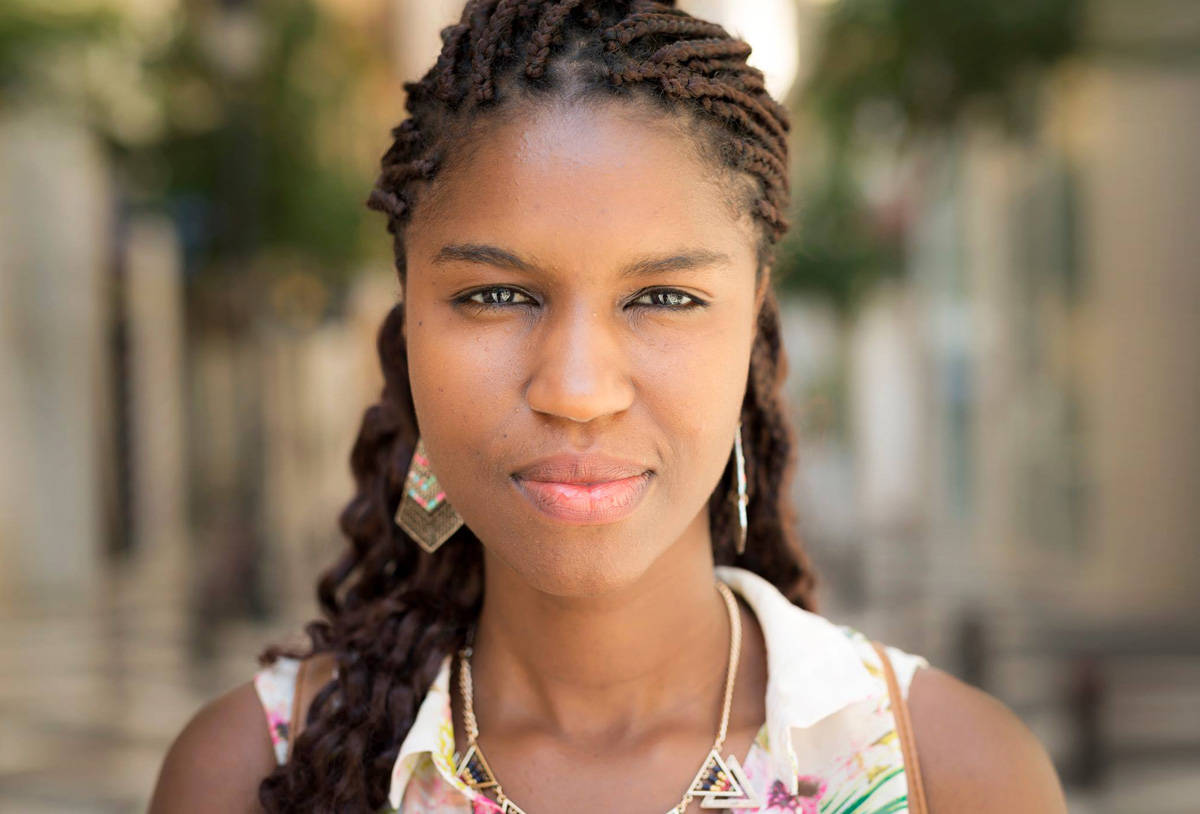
{"x": 597, "y": 176}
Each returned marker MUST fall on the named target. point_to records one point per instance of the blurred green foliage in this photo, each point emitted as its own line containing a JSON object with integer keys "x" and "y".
{"x": 889, "y": 72}
{"x": 27, "y": 29}
{"x": 252, "y": 164}
{"x": 223, "y": 115}
{"x": 834, "y": 249}
{"x": 934, "y": 58}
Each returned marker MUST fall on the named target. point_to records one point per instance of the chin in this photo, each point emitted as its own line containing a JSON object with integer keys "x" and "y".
{"x": 575, "y": 565}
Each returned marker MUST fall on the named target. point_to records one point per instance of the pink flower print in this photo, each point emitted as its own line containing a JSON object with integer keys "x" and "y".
{"x": 483, "y": 805}
{"x": 809, "y": 791}
{"x": 279, "y": 726}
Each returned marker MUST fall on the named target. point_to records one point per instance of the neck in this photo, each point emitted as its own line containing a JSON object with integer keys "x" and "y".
{"x": 602, "y": 668}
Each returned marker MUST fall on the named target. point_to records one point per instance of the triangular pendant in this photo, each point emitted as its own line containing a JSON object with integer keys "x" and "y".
{"x": 474, "y": 770}
{"x": 721, "y": 783}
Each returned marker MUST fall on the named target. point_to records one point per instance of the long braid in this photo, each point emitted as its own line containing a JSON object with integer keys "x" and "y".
{"x": 392, "y": 612}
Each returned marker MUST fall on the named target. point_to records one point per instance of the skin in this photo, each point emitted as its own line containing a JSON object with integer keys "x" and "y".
{"x": 609, "y": 641}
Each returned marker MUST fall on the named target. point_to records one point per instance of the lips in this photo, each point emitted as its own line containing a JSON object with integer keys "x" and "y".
{"x": 580, "y": 469}
{"x": 583, "y": 489}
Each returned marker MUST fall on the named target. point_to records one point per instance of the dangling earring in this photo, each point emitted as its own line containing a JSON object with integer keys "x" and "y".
{"x": 424, "y": 513}
{"x": 740, "y": 497}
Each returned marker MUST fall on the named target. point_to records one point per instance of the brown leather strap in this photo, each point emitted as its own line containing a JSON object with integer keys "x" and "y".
{"x": 295, "y": 721}
{"x": 908, "y": 746}
{"x": 314, "y": 673}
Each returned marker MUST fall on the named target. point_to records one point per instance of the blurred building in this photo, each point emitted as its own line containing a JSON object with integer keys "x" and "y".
{"x": 1018, "y": 485}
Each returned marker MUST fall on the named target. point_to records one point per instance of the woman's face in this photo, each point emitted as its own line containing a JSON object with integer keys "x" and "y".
{"x": 579, "y": 290}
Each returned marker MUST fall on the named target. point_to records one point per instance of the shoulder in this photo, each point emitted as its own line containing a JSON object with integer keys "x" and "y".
{"x": 976, "y": 754}
{"x": 221, "y": 756}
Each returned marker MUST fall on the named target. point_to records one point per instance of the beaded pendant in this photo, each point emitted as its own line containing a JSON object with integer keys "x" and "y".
{"x": 475, "y": 771}
{"x": 721, "y": 783}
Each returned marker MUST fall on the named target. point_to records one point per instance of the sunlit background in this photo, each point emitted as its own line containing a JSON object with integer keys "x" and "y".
{"x": 991, "y": 293}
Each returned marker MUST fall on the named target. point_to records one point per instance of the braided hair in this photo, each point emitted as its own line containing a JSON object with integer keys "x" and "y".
{"x": 393, "y": 612}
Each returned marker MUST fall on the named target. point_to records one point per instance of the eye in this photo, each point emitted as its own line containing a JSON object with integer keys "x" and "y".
{"x": 670, "y": 299}
{"x": 494, "y": 297}
{"x": 498, "y": 297}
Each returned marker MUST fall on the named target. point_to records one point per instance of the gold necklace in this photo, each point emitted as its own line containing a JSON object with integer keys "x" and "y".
{"x": 720, "y": 782}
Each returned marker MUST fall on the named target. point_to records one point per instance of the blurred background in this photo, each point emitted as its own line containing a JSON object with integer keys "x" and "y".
{"x": 991, "y": 293}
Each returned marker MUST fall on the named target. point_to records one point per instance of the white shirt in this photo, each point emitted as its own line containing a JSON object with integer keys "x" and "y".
{"x": 829, "y": 742}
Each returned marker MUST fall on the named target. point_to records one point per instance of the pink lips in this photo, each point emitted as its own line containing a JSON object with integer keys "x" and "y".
{"x": 583, "y": 489}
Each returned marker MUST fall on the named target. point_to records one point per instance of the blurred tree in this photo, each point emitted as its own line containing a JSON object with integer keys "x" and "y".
{"x": 28, "y": 30}
{"x": 889, "y": 71}
{"x": 248, "y": 90}
{"x": 934, "y": 58}
{"x": 241, "y": 119}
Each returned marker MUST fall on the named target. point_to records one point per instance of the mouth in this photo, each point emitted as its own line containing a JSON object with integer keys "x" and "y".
{"x": 585, "y": 503}
{"x": 583, "y": 489}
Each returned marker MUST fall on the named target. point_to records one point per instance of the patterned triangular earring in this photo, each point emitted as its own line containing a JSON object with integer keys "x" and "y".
{"x": 740, "y": 497}
{"x": 424, "y": 513}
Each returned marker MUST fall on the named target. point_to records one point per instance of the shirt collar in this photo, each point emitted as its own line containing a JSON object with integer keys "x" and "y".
{"x": 432, "y": 732}
{"x": 813, "y": 667}
{"x": 813, "y": 671}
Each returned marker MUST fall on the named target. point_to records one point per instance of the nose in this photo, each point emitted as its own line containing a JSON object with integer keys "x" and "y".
{"x": 580, "y": 368}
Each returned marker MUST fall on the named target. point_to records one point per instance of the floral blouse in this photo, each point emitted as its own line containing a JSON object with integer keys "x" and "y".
{"x": 829, "y": 744}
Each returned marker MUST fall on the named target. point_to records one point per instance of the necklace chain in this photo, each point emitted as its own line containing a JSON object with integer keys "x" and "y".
{"x": 466, "y": 690}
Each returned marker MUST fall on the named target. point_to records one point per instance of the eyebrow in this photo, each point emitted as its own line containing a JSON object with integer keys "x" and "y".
{"x": 484, "y": 254}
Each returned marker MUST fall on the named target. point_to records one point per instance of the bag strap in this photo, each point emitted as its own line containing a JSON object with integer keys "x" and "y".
{"x": 296, "y": 722}
{"x": 313, "y": 674}
{"x": 908, "y": 747}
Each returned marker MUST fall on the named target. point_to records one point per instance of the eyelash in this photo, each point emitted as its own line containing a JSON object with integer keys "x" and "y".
{"x": 466, "y": 300}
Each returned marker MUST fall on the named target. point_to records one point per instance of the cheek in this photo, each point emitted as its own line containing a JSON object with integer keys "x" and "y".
{"x": 465, "y": 392}
{"x": 456, "y": 377}
{"x": 694, "y": 388}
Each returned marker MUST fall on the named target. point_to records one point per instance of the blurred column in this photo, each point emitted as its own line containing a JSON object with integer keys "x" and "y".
{"x": 154, "y": 309}
{"x": 891, "y": 430}
{"x": 887, "y": 422}
{"x": 1139, "y": 122}
{"x": 815, "y": 341}
{"x": 941, "y": 327}
{"x": 55, "y": 240}
{"x": 318, "y": 378}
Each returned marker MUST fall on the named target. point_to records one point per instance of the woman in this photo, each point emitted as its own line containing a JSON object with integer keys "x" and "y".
{"x": 571, "y": 544}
